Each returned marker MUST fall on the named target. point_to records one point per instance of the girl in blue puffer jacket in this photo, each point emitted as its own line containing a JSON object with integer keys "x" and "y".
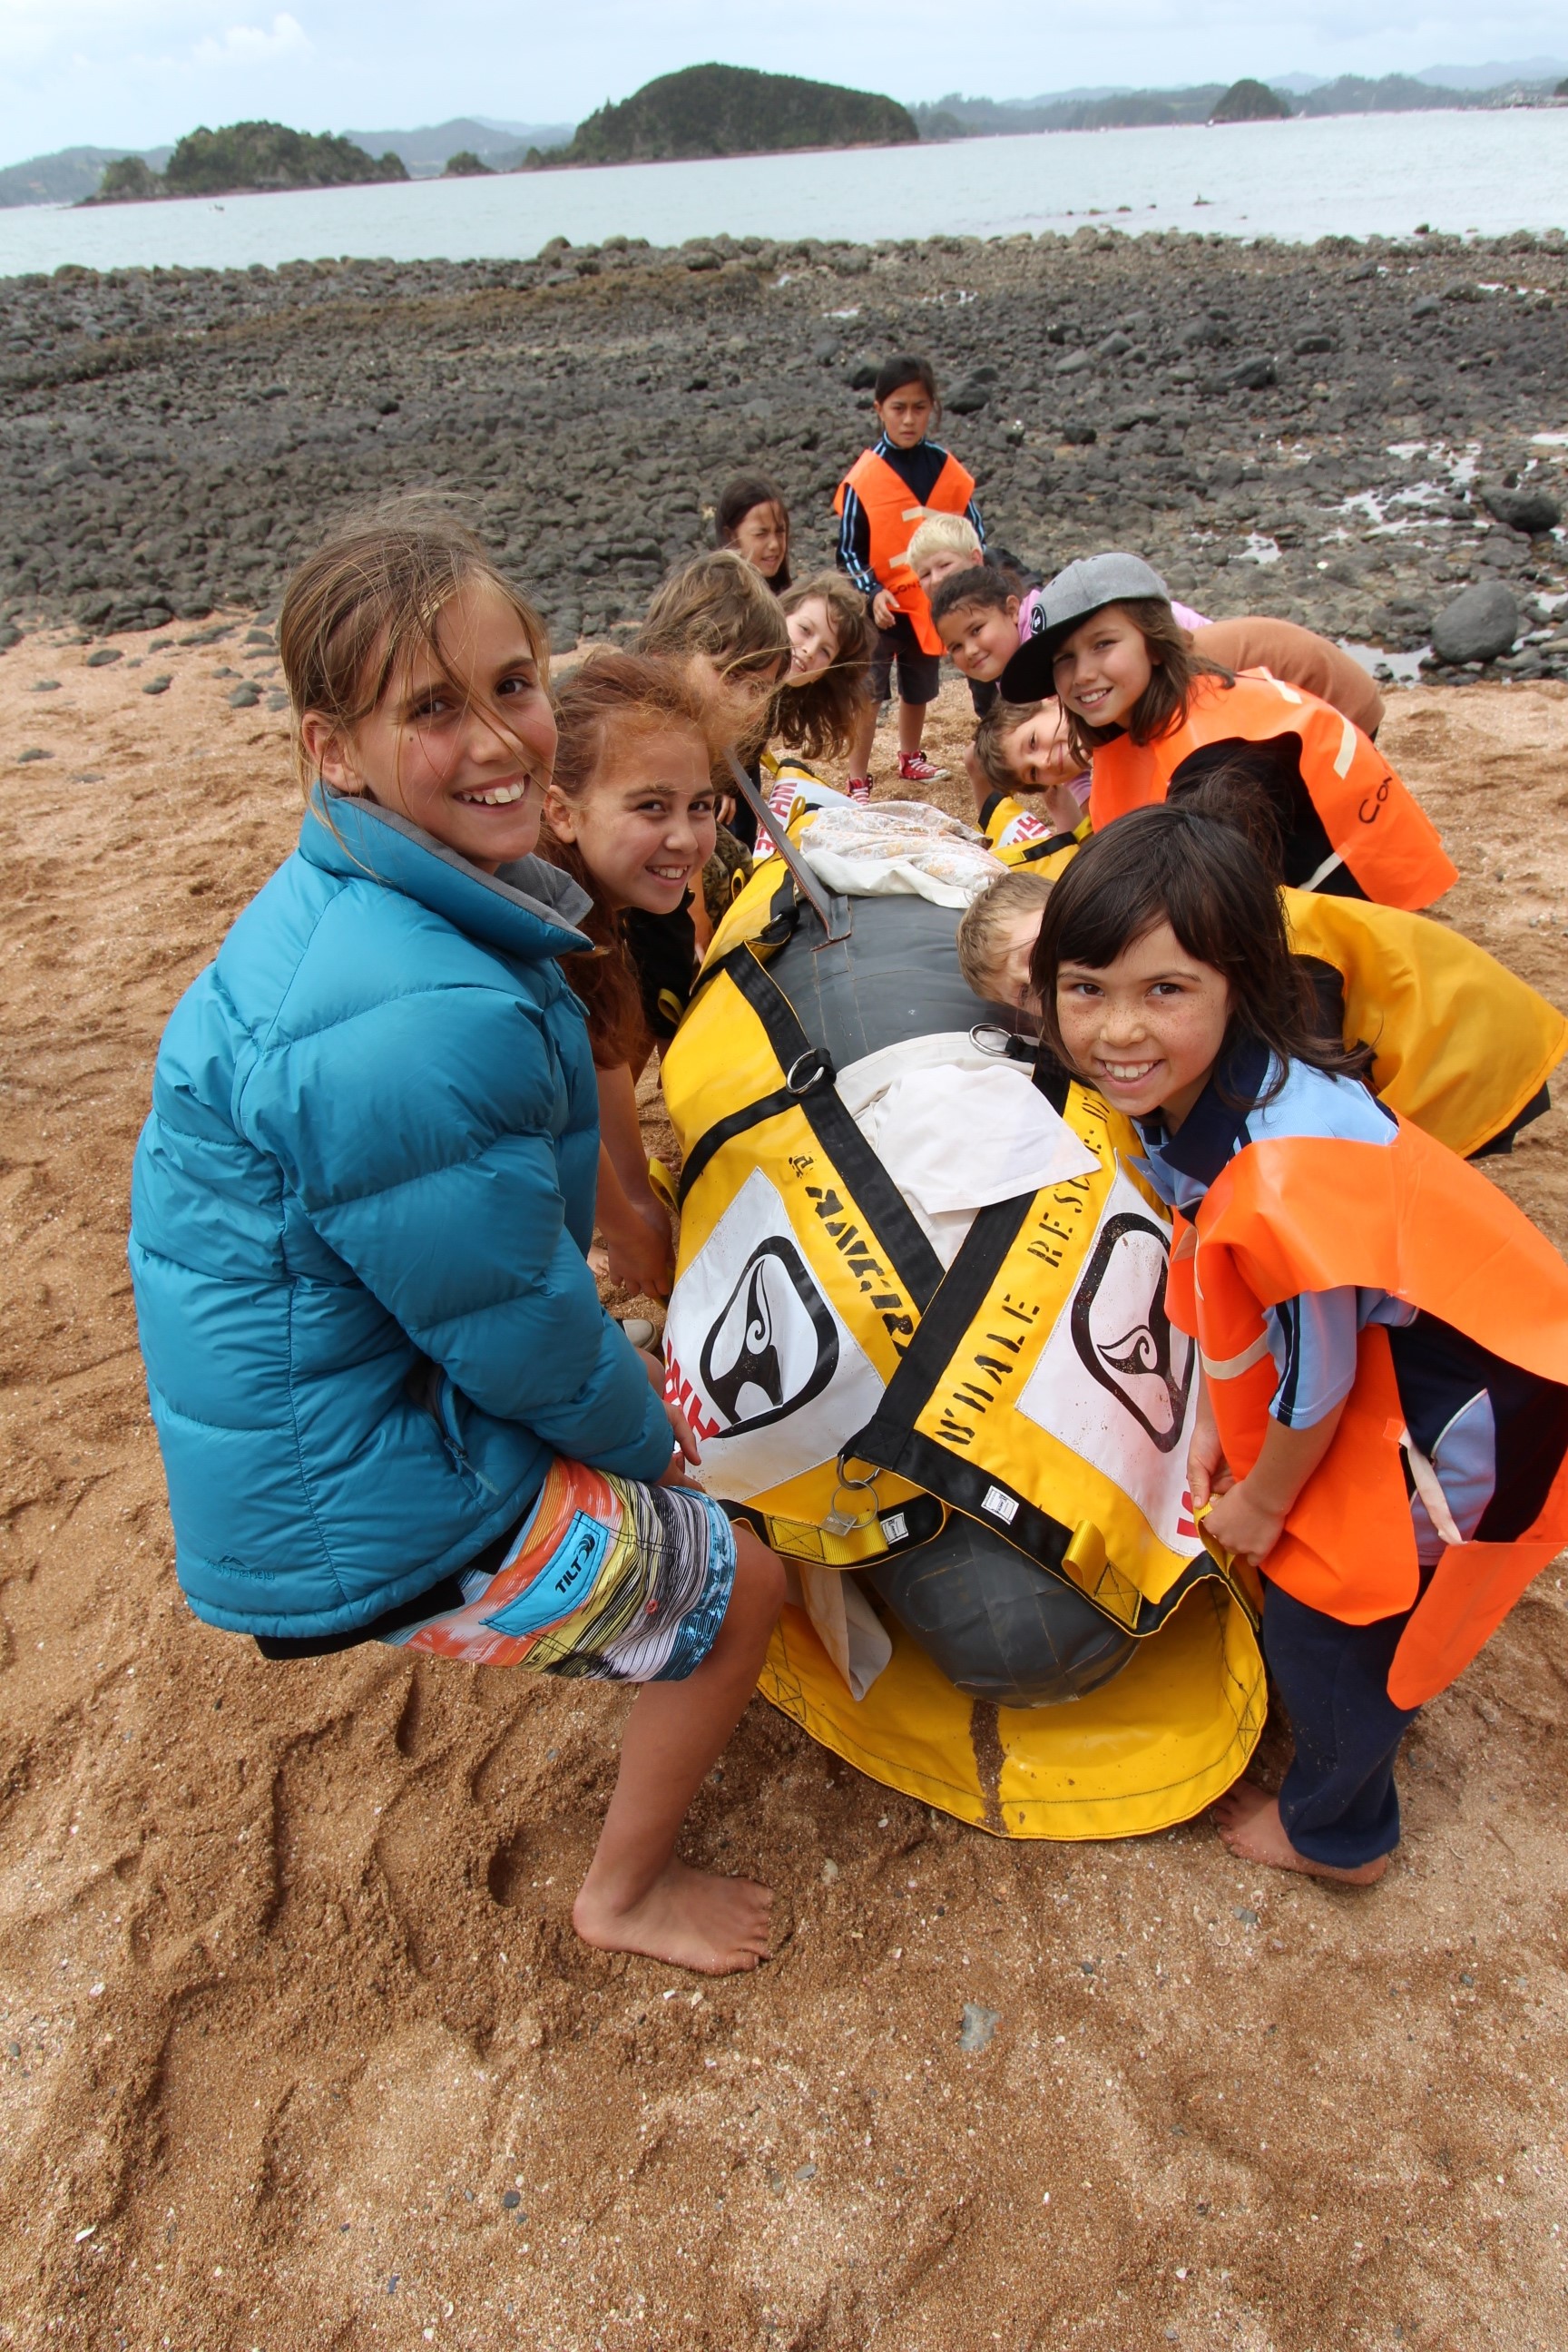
{"x": 390, "y": 1404}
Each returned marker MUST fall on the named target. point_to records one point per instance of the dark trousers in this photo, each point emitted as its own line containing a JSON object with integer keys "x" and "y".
{"x": 1338, "y": 1801}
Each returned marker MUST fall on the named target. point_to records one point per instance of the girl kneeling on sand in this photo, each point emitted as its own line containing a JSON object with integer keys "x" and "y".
{"x": 390, "y": 1404}
{"x": 1383, "y": 1337}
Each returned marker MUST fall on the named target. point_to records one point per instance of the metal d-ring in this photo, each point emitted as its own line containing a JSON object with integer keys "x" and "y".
{"x": 822, "y": 1069}
{"x": 1012, "y": 1045}
{"x": 843, "y": 1522}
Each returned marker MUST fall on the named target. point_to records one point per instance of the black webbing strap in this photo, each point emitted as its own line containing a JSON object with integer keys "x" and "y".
{"x": 809, "y": 1075}
{"x": 890, "y": 1440}
{"x": 1050, "y": 847}
{"x": 887, "y": 1434}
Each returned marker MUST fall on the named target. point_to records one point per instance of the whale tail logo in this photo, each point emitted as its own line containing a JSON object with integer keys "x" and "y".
{"x": 772, "y": 1346}
{"x": 1123, "y": 1334}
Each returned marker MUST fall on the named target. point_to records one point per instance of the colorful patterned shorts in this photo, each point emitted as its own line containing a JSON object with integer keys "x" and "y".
{"x": 605, "y": 1579}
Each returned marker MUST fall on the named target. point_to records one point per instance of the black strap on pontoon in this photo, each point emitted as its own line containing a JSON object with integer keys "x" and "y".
{"x": 808, "y": 1085}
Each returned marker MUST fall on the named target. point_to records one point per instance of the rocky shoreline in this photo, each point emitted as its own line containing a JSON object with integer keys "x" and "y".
{"x": 1347, "y": 434}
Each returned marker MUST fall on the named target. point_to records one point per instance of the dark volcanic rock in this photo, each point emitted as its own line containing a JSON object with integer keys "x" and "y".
{"x": 173, "y": 440}
{"x": 1477, "y": 625}
{"x": 1526, "y": 509}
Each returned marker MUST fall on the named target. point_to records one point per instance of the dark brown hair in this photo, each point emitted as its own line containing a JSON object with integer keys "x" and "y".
{"x": 1164, "y": 702}
{"x": 904, "y": 368}
{"x": 369, "y": 596}
{"x": 1002, "y": 718}
{"x": 1180, "y": 865}
{"x": 981, "y": 583}
{"x": 609, "y": 700}
{"x": 741, "y": 494}
{"x": 818, "y": 718}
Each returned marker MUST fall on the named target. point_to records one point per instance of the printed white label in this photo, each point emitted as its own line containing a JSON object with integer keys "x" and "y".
{"x": 756, "y": 1356}
{"x": 1115, "y": 1380}
{"x": 1000, "y": 1506}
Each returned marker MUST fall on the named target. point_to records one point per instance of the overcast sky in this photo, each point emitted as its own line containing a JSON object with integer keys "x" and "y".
{"x": 138, "y": 73}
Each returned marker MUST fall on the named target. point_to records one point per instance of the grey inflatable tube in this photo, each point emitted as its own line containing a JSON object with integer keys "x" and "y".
{"x": 996, "y": 1625}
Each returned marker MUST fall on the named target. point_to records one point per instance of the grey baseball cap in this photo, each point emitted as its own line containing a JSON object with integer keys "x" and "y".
{"x": 1076, "y": 593}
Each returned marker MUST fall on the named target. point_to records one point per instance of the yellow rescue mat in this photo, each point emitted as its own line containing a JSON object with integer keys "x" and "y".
{"x": 852, "y": 1393}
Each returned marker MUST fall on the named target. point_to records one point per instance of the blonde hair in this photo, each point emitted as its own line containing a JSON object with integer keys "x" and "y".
{"x": 820, "y": 716}
{"x": 987, "y": 919}
{"x": 944, "y": 534}
{"x": 1003, "y": 719}
{"x": 372, "y": 595}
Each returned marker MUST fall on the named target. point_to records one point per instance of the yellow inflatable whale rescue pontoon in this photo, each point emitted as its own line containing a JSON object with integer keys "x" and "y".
{"x": 956, "y": 1409}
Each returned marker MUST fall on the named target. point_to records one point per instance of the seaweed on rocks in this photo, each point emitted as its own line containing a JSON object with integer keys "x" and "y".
{"x": 1317, "y": 431}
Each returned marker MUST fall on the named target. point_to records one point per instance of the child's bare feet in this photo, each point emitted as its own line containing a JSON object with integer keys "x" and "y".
{"x": 1249, "y": 1823}
{"x": 717, "y": 1926}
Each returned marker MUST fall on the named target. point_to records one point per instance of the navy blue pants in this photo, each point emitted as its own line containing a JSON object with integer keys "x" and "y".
{"x": 1338, "y": 1801}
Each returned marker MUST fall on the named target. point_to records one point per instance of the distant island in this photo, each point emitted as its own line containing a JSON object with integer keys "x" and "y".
{"x": 956, "y": 117}
{"x": 1251, "y": 101}
{"x": 245, "y": 158}
{"x": 729, "y": 110}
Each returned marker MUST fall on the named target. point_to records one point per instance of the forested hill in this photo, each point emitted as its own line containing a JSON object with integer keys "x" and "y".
{"x": 243, "y": 156}
{"x": 730, "y": 111}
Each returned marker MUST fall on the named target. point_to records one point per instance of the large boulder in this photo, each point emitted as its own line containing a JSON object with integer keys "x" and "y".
{"x": 1477, "y": 625}
{"x": 1526, "y": 509}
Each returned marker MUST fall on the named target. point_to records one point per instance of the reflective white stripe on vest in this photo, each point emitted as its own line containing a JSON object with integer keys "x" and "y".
{"x": 1320, "y": 875}
{"x": 1346, "y": 752}
{"x": 1231, "y": 1367}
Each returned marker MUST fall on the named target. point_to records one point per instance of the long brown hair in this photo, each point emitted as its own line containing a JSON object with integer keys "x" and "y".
{"x": 608, "y": 700}
{"x": 1164, "y": 702}
{"x": 717, "y": 606}
{"x": 369, "y": 596}
{"x": 739, "y": 496}
{"x": 1187, "y": 864}
{"x": 819, "y": 717}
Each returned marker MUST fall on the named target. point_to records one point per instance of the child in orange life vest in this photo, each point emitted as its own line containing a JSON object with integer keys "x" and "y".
{"x": 1145, "y": 707}
{"x": 890, "y": 489}
{"x": 1383, "y": 1335}
{"x": 629, "y": 812}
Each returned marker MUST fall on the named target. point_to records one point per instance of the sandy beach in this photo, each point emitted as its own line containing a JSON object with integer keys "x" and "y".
{"x": 296, "y": 2048}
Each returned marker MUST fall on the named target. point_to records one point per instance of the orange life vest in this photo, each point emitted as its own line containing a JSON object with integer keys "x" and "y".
{"x": 1429, "y": 1230}
{"x": 1375, "y": 827}
{"x": 894, "y": 515}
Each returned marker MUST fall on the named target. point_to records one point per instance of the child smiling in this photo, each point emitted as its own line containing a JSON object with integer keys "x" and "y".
{"x": 1384, "y": 1416}
{"x": 390, "y": 1404}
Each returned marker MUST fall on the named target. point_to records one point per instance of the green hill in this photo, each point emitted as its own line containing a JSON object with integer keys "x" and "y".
{"x": 730, "y": 111}
{"x": 245, "y": 156}
{"x": 1251, "y": 101}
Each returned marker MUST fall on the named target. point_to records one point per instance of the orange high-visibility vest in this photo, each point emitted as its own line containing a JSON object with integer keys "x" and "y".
{"x": 894, "y": 515}
{"x": 1290, "y": 1215}
{"x": 1374, "y": 826}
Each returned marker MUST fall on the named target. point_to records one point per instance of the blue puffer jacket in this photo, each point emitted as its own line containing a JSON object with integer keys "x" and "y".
{"x": 359, "y": 1218}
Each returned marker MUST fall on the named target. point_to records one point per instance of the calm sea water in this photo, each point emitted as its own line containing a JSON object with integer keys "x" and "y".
{"x": 1346, "y": 175}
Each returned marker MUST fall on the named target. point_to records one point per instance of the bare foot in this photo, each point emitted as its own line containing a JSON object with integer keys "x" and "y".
{"x": 1249, "y": 1822}
{"x": 717, "y": 1926}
